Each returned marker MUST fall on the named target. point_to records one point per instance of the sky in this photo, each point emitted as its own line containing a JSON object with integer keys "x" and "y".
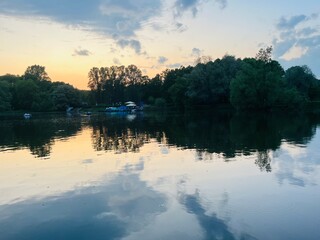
{"x": 70, "y": 37}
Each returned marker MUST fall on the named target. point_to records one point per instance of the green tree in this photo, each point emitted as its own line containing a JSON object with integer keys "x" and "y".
{"x": 210, "y": 83}
{"x": 5, "y": 96}
{"x": 133, "y": 82}
{"x": 64, "y": 96}
{"x": 302, "y": 79}
{"x": 265, "y": 54}
{"x": 25, "y": 94}
{"x": 199, "y": 87}
{"x": 37, "y": 73}
{"x": 178, "y": 92}
{"x": 169, "y": 77}
{"x": 95, "y": 83}
{"x": 258, "y": 85}
{"x": 151, "y": 89}
{"x": 117, "y": 83}
{"x": 10, "y": 79}
{"x": 43, "y": 103}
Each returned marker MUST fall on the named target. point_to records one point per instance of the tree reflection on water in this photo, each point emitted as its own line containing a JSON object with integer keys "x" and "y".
{"x": 224, "y": 133}
{"x": 127, "y": 140}
{"x": 36, "y": 134}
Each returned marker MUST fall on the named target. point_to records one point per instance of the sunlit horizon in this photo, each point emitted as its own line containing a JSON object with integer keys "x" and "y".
{"x": 71, "y": 38}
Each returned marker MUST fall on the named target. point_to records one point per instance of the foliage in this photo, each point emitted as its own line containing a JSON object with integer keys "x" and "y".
{"x": 254, "y": 83}
{"x": 251, "y": 83}
{"x": 209, "y": 83}
{"x": 65, "y": 96}
{"x": 10, "y": 79}
{"x": 303, "y": 80}
{"x": 34, "y": 92}
{"x": 43, "y": 103}
{"x": 116, "y": 83}
{"x": 264, "y": 55}
{"x": 169, "y": 78}
{"x": 36, "y": 72}
{"x": 178, "y": 92}
{"x": 160, "y": 103}
{"x": 151, "y": 89}
{"x": 5, "y": 96}
{"x": 95, "y": 82}
{"x": 262, "y": 84}
{"x": 25, "y": 94}
{"x": 257, "y": 85}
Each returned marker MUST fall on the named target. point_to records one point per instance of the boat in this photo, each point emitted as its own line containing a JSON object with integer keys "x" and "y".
{"x": 27, "y": 115}
{"x": 128, "y": 107}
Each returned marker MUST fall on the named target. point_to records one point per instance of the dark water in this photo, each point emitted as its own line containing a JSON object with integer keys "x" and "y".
{"x": 160, "y": 176}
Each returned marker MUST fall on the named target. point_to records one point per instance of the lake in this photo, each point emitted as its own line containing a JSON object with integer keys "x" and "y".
{"x": 166, "y": 176}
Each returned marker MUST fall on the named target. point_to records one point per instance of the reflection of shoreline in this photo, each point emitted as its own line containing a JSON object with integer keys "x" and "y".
{"x": 159, "y": 193}
{"x": 220, "y": 133}
{"x": 126, "y": 141}
{"x": 223, "y": 134}
{"x": 37, "y": 134}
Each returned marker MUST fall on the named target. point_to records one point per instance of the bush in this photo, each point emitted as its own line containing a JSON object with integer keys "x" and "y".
{"x": 160, "y": 103}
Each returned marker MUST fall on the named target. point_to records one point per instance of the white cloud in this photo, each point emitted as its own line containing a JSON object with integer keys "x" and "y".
{"x": 113, "y": 19}
{"x": 298, "y": 42}
{"x": 196, "y": 52}
{"x": 81, "y": 52}
{"x": 289, "y": 23}
{"x": 222, "y": 3}
{"x": 294, "y": 53}
{"x": 193, "y": 6}
{"x": 174, "y": 65}
{"x": 116, "y": 61}
{"x": 293, "y": 150}
{"x": 134, "y": 44}
{"x": 104, "y": 16}
{"x": 162, "y": 60}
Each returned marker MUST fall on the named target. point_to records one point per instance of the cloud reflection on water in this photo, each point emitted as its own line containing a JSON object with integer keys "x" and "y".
{"x": 111, "y": 210}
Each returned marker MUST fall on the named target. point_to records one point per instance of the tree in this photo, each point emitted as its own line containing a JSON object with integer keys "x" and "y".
{"x": 199, "y": 86}
{"x": 133, "y": 75}
{"x": 10, "y": 79}
{"x": 302, "y": 79}
{"x": 151, "y": 89}
{"x": 5, "y": 96}
{"x": 117, "y": 83}
{"x": 169, "y": 78}
{"x": 265, "y": 54}
{"x": 64, "y": 96}
{"x": 43, "y": 103}
{"x": 95, "y": 83}
{"x": 133, "y": 82}
{"x": 178, "y": 92}
{"x": 37, "y": 73}
{"x": 25, "y": 94}
{"x": 258, "y": 85}
{"x": 209, "y": 83}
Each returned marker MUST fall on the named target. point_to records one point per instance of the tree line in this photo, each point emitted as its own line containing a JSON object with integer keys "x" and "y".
{"x": 251, "y": 83}
{"x": 35, "y": 91}
{"x": 221, "y": 132}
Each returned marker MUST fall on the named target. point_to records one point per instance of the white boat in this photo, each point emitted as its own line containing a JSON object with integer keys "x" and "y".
{"x": 27, "y": 115}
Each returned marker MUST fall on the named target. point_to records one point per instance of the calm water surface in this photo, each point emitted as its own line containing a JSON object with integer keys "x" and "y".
{"x": 160, "y": 176}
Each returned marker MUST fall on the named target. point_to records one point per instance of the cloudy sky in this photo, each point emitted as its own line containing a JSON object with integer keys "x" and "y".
{"x": 70, "y": 37}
